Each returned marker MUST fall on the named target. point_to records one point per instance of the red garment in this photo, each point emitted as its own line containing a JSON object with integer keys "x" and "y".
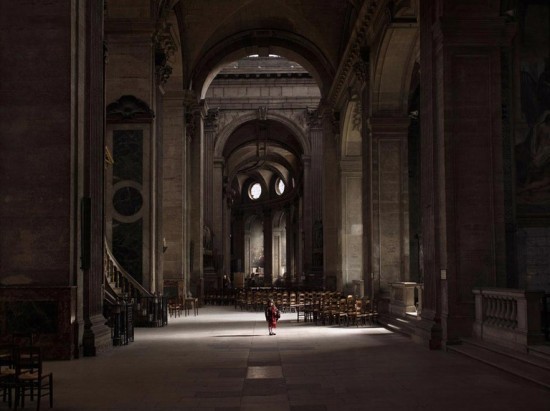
{"x": 271, "y": 316}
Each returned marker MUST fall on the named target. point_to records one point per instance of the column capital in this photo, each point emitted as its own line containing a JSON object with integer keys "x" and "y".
{"x": 190, "y": 101}
{"x": 314, "y": 118}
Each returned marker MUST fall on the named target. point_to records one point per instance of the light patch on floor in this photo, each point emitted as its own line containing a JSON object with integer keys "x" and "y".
{"x": 269, "y": 371}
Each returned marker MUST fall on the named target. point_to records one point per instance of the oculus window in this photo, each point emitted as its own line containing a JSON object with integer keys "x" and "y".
{"x": 280, "y": 186}
{"x": 255, "y": 191}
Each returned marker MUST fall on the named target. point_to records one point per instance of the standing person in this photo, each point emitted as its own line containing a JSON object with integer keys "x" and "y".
{"x": 271, "y": 315}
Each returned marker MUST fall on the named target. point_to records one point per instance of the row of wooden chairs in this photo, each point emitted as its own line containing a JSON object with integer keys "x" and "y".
{"x": 22, "y": 376}
{"x": 219, "y": 297}
{"x": 255, "y": 300}
{"x": 340, "y": 311}
{"x": 321, "y": 307}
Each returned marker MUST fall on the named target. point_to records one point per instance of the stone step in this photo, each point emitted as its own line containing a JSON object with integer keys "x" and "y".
{"x": 522, "y": 365}
{"x": 404, "y": 325}
{"x": 541, "y": 351}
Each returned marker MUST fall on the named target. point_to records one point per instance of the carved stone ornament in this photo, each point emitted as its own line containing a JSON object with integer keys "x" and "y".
{"x": 262, "y": 113}
{"x": 162, "y": 69}
{"x": 357, "y": 118}
{"x": 165, "y": 47}
{"x": 335, "y": 123}
{"x": 361, "y": 70}
{"x": 313, "y": 118}
{"x": 190, "y": 123}
{"x": 212, "y": 118}
{"x": 129, "y": 108}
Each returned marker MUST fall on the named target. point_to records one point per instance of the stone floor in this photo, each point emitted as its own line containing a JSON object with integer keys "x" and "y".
{"x": 224, "y": 359}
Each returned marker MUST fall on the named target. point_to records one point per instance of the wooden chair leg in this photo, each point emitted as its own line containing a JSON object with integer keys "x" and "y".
{"x": 51, "y": 391}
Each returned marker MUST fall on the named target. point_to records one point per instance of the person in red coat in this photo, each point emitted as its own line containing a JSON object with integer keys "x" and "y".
{"x": 271, "y": 315}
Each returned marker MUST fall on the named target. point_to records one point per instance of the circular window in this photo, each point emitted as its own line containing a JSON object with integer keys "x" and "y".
{"x": 255, "y": 191}
{"x": 280, "y": 186}
{"x": 127, "y": 201}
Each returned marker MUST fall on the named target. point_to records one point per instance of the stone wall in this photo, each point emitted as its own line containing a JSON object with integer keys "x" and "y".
{"x": 533, "y": 258}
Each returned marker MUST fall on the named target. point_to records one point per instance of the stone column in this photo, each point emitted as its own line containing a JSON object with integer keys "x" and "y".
{"x": 362, "y": 74}
{"x": 219, "y": 206}
{"x": 194, "y": 130}
{"x": 462, "y": 161}
{"x": 351, "y": 232}
{"x": 390, "y": 201}
{"x": 240, "y": 243}
{"x": 96, "y": 335}
{"x": 307, "y": 217}
{"x": 174, "y": 208}
{"x": 276, "y": 264}
{"x": 331, "y": 200}
{"x": 268, "y": 247}
{"x": 290, "y": 265}
{"x": 316, "y": 182}
{"x": 210, "y": 121}
{"x": 210, "y": 130}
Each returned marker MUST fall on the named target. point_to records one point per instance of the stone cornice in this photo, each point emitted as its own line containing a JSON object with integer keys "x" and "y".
{"x": 353, "y": 50}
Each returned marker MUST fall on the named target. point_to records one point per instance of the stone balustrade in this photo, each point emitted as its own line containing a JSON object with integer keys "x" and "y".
{"x": 508, "y": 317}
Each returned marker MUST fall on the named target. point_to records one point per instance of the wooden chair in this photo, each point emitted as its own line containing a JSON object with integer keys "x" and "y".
{"x": 359, "y": 316}
{"x": 31, "y": 380}
{"x": 8, "y": 354}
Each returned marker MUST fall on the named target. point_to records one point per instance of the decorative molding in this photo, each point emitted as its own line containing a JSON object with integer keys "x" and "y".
{"x": 129, "y": 108}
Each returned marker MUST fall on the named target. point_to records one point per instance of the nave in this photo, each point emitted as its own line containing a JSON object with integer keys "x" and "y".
{"x": 224, "y": 359}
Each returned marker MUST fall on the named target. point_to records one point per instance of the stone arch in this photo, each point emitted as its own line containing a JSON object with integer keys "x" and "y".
{"x": 230, "y": 128}
{"x": 393, "y": 68}
{"x": 240, "y": 45}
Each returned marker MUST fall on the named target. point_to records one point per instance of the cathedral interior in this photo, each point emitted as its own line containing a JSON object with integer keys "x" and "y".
{"x": 165, "y": 156}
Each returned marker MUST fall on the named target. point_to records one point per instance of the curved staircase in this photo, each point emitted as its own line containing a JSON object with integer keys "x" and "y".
{"x": 127, "y": 304}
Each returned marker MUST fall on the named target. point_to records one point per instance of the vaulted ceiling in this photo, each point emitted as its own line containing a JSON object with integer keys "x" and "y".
{"x": 308, "y": 31}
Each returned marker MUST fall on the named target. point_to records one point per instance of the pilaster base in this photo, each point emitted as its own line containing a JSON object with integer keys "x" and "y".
{"x": 97, "y": 337}
{"x": 428, "y": 331}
